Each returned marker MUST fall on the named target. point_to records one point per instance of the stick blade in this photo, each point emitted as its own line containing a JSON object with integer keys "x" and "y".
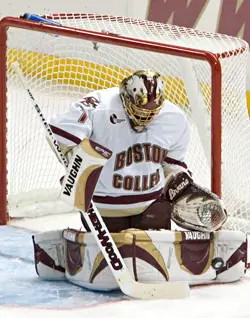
{"x": 169, "y": 290}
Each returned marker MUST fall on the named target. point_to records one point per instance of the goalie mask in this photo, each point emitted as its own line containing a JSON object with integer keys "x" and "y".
{"x": 142, "y": 95}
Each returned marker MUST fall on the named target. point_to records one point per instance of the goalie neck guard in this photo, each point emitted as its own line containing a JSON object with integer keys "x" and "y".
{"x": 142, "y": 95}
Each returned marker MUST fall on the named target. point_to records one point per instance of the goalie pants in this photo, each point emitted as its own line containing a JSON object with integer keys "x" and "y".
{"x": 155, "y": 217}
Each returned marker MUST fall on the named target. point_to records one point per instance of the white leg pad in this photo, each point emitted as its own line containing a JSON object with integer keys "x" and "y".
{"x": 160, "y": 256}
{"x": 151, "y": 256}
{"x": 49, "y": 249}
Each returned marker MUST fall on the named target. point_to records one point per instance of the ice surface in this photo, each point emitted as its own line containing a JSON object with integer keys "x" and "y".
{"x": 22, "y": 287}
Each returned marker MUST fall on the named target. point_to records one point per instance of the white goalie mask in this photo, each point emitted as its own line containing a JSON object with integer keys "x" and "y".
{"x": 142, "y": 95}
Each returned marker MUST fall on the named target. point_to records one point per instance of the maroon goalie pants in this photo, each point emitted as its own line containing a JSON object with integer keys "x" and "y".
{"x": 155, "y": 217}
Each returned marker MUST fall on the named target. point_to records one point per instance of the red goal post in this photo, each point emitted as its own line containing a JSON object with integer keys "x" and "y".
{"x": 174, "y": 49}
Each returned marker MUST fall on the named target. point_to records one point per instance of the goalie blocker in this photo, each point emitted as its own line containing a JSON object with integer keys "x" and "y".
{"x": 151, "y": 256}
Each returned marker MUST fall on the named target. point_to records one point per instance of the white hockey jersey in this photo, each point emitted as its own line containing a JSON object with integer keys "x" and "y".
{"x": 133, "y": 177}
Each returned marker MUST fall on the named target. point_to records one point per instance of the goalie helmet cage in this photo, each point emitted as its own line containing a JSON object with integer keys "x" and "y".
{"x": 204, "y": 73}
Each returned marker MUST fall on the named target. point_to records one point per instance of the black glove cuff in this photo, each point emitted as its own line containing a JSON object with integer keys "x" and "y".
{"x": 176, "y": 185}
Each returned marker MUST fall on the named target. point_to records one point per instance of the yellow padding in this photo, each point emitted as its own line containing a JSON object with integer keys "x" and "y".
{"x": 76, "y": 72}
{"x": 67, "y": 70}
{"x": 90, "y": 75}
{"x": 248, "y": 102}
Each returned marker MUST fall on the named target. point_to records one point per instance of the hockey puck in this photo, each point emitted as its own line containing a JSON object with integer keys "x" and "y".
{"x": 217, "y": 263}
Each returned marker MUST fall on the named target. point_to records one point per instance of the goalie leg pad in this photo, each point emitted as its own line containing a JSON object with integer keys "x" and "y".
{"x": 49, "y": 249}
{"x": 158, "y": 256}
{"x": 232, "y": 248}
{"x": 151, "y": 256}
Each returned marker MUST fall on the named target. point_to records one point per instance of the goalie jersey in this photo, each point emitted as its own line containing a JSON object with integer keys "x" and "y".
{"x": 134, "y": 176}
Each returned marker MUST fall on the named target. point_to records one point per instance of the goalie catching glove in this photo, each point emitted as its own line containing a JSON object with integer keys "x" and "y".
{"x": 194, "y": 207}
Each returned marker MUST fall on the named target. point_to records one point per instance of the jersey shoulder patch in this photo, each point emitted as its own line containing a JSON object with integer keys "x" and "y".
{"x": 84, "y": 105}
{"x": 89, "y": 101}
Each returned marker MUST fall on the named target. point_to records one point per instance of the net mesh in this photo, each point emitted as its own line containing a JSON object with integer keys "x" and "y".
{"x": 60, "y": 70}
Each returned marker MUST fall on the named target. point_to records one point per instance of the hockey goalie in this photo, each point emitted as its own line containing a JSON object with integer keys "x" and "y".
{"x": 126, "y": 149}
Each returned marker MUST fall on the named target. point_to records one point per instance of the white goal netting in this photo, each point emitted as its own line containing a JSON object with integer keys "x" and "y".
{"x": 60, "y": 69}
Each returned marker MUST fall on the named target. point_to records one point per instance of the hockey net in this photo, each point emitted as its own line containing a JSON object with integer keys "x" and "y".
{"x": 205, "y": 75}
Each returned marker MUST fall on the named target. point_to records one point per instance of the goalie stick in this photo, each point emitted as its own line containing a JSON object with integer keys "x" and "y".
{"x": 127, "y": 284}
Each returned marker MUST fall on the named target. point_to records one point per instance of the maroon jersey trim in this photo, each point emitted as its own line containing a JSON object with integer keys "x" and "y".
{"x": 65, "y": 134}
{"x": 127, "y": 199}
